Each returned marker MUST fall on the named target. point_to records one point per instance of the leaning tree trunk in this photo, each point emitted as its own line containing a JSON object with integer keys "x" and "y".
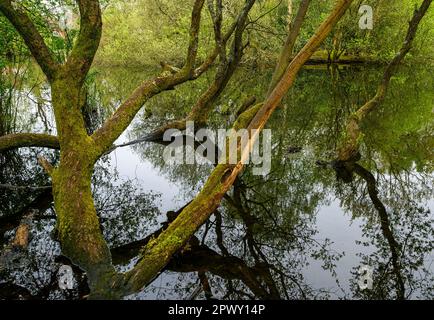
{"x": 348, "y": 149}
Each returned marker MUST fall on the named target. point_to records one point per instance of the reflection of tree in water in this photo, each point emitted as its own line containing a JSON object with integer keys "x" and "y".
{"x": 281, "y": 208}
{"x": 403, "y": 240}
{"x": 255, "y": 246}
{"x": 399, "y": 228}
{"x": 241, "y": 253}
{"x": 30, "y": 271}
{"x": 261, "y": 239}
{"x": 250, "y": 249}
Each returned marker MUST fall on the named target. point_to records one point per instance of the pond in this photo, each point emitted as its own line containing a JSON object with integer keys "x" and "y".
{"x": 306, "y": 230}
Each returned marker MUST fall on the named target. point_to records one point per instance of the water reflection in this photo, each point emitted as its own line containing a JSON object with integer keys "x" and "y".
{"x": 402, "y": 237}
{"x": 269, "y": 238}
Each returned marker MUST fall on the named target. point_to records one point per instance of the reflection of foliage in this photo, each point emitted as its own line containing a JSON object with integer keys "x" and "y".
{"x": 267, "y": 225}
{"x": 313, "y": 114}
{"x": 400, "y": 230}
{"x": 413, "y": 230}
{"x": 19, "y": 169}
{"x": 402, "y": 130}
{"x": 126, "y": 211}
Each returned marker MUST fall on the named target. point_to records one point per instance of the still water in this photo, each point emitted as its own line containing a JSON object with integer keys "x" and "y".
{"x": 301, "y": 232}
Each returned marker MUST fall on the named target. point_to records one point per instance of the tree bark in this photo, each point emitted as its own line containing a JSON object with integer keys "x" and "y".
{"x": 20, "y": 140}
{"x": 286, "y": 53}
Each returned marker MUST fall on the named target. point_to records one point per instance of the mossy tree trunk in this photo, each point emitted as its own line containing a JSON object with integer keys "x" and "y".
{"x": 78, "y": 226}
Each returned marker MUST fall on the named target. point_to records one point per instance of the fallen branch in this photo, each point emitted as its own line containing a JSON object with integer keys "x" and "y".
{"x": 24, "y": 188}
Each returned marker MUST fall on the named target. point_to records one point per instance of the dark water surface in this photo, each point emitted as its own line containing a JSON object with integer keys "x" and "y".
{"x": 300, "y": 232}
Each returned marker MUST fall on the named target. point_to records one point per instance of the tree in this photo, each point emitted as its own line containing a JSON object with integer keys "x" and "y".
{"x": 349, "y": 149}
{"x": 77, "y": 222}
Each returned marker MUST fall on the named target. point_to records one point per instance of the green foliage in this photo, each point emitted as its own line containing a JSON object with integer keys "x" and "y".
{"x": 145, "y": 32}
{"x": 140, "y": 33}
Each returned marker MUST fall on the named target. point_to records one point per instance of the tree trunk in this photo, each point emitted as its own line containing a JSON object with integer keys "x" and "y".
{"x": 348, "y": 149}
{"x": 78, "y": 225}
{"x": 286, "y": 52}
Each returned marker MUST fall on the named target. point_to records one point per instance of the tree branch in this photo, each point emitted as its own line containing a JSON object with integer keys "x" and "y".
{"x": 15, "y": 13}
{"x": 24, "y": 188}
{"x": 20, "y": 140}
{"x": 225, "y": 70}
{"x": 194, "y": 37}
{"x": 393, "y": 65}
{"x": 120, "y": 120}
{"x": 277, "y": 94}
{"x": 285, "y": 55}
{"x": 349, "y": 148}
{"x": 87, "y": 43}
{"x": 48, "y": 167}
